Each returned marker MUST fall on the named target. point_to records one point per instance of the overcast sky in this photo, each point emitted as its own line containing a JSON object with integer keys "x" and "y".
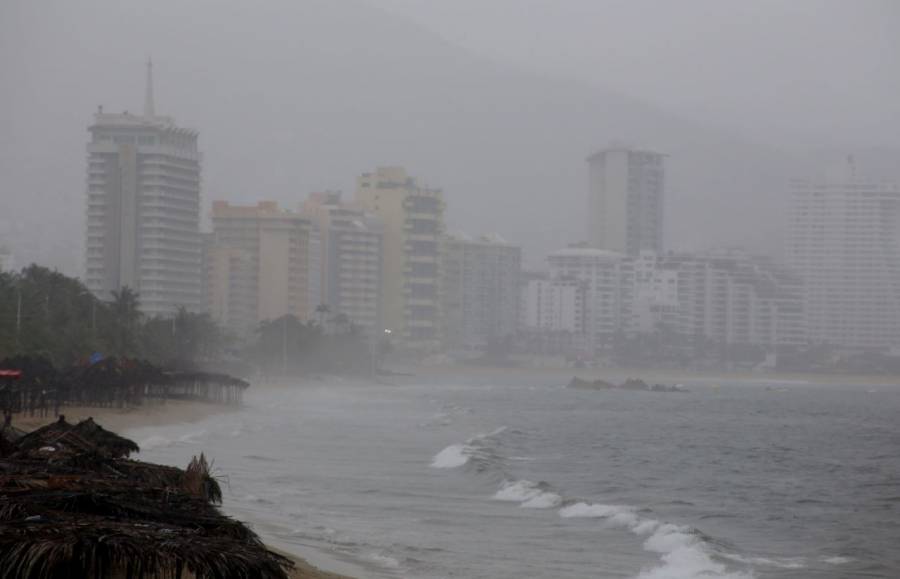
{"x": 827, "y": 70}
{"x": 496, "y": 101}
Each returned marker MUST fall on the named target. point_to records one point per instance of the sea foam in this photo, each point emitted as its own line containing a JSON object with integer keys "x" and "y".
{"x": 529, "y": 495}
{"x": 453, "y": 456}
{"x": 457, "y": 455}
{"x": 683, "y": 553}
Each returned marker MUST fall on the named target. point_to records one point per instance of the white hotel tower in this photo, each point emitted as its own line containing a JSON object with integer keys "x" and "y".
{"x": 143, "y": 209}
{"x": 844, "y": 243}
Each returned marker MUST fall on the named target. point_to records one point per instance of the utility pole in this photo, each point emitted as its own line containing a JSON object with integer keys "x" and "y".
{"x": 284, "y": 345}
{"x": 18, "y": 315}
{"x": 174, "y": 338}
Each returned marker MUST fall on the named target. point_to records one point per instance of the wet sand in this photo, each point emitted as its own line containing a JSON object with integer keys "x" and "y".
{"x": 303, "y": 570}
{"x": 121, "y": 419}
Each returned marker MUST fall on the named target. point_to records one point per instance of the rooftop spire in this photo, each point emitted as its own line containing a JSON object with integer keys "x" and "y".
{"x": 148, "y": 96}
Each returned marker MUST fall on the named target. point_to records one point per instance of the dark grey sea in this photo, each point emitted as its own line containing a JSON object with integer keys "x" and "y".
{"x": 519, "y": 476}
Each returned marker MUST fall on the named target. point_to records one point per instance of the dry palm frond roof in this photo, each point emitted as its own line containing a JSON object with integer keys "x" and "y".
{"x": 142, "y": 505}
{"x": 78, "y": 545}
{"x": 74, "y": 472}
{"x": 109, "y": 441}
{"x": 85, "y": 437}
{"x": 76, "y": 512}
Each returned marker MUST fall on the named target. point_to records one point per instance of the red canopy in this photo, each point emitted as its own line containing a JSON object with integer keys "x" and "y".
{"x": 14, "y": 374}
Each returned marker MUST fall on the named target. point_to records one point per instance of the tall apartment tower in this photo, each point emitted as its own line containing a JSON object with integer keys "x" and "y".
{"x": 143, "y": 209}
{"x": 350, "y": 263}
{"x": 261, "y": 262}
{"x": 413, "y": 218}
{"x": 844, "y": 243}
{"x": 625, "y": 200}
{"x": 608, "y": 282}
{"x": 480, "y": 290}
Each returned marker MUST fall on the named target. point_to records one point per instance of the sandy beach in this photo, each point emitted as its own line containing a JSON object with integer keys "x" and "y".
{"x": 121, "y": 419}
{"x": 303, "y": 570}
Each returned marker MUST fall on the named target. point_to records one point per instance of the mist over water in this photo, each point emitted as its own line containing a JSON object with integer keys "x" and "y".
{"x": 521, "y": 477}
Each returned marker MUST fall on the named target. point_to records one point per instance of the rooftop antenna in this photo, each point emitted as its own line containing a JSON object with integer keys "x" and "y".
{"x": 148, "y": 96}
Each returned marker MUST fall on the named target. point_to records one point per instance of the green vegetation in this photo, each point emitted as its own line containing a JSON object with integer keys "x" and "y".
{"x": 46, "y": 315}
{"x": 289, "y": 346}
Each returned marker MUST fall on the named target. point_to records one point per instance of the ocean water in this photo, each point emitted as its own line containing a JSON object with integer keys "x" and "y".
{"x": 521, "y": 477}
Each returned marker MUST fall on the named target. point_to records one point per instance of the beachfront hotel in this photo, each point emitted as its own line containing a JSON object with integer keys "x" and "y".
{"x": 413, "y": 218}
{"x": 262, "y": 263}
{"x": 351, "y": 255}
{"x": 480, "y": 290}
{"x": 726, "y": 296}
{"x": 606, "y": 279}
{"x": 625, "y": 200}
{"x": 143, "y": 209}
{"x": 844, "y": 243}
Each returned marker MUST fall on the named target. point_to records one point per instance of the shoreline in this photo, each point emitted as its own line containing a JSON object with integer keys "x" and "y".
{"x": 658, "y": 375}
{"x": 122, "y": 419}
{"x": 303, "y": 569}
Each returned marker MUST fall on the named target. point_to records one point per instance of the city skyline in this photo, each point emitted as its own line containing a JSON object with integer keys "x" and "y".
{"x": 144, "y": 232}
{"x": 498, "y": 135}
{"x": 364, "y": 259}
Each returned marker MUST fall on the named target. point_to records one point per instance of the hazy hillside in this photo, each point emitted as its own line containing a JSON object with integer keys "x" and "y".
{"x": 285, "y": 105}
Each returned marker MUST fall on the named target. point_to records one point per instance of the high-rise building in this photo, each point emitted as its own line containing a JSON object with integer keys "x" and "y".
{"x": 260, "y": 265}
{"x": 728, "y": 297}
{"x": 656, "y": 293}
{"x": 844, "y": 243}
{"x": 413, "y": 218}
{"x": 350, "y": 258}
{"x": 608, "y": 282}
{"x": 625, "y": 200}
{"x": 552, "y": 315}
{"x": 725, "y": 297}
{"x": 143, "y": 209}
{"x": 553, "y": 305}
{"x": 480, "y": 290}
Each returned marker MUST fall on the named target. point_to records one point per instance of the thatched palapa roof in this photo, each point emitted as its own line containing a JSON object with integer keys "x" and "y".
{"x": 80, "y": 510}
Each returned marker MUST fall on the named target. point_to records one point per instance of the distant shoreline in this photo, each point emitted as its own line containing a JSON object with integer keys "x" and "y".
{"x": 657, "y": 375}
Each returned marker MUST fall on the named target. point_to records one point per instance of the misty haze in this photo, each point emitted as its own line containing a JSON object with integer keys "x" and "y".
{"x": 425, "y": 289}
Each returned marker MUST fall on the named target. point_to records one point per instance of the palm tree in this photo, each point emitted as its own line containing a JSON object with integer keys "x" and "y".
{"x": 322, "y": 310}
{"x": 341, "y": 321}
{"x": 125, "y": 317}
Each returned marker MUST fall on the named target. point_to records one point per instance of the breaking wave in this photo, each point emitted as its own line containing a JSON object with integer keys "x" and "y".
{"x": 684, "y": 552}
{"x": 529, "y": 495}
{"x": 475, "y": 449}
{"x": 453, "y": 456}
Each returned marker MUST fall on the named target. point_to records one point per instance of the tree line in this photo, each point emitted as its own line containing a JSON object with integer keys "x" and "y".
{"x": 46, "y": 314}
